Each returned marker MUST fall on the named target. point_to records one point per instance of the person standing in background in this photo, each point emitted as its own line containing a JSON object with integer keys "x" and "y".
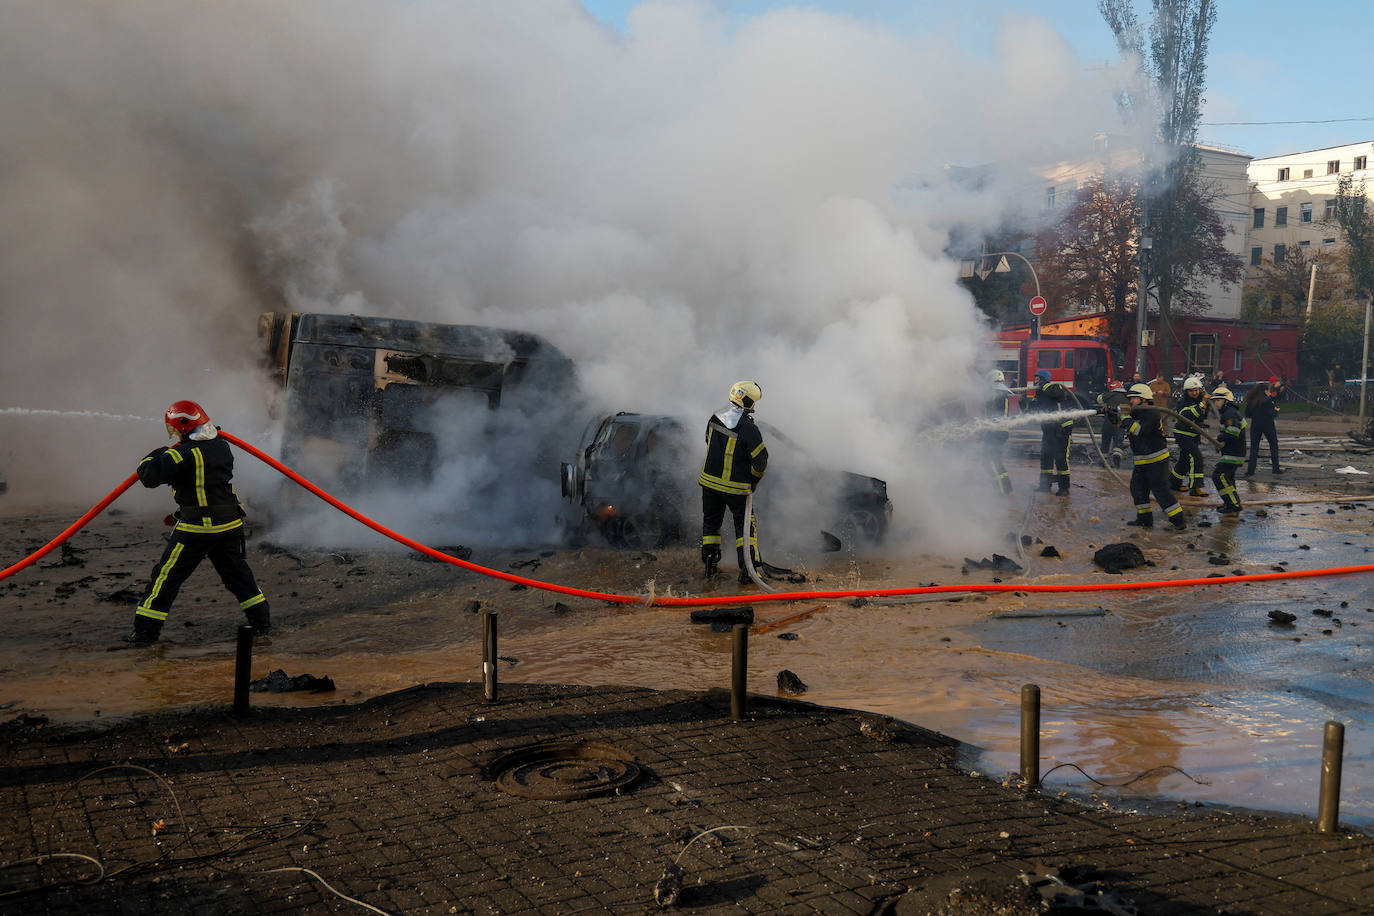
{"x": 1261, "y": 411}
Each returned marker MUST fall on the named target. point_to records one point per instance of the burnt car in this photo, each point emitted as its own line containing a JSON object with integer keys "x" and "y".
{"x": 635, "y": 480}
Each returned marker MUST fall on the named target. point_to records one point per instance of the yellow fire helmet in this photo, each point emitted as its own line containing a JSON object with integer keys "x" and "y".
{"x": 745, "y": 394}
{"x": 1222, "y": 393}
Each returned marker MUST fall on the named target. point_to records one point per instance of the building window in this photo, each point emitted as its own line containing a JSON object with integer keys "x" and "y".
{"x": 1280, "y": 252}
{"x": 1360, "y": 162}
{"x": 1235, "y": 361}
{"x": 1333, "y": 166}
{"x": 1259, "y": 218}
{"x": 1049, "y": 197}
{"x": 1280, "y": 216}
{"x": 1329, "y": 210}
{"x": 1264, "y": 345}
{"x": 1328, "y": 241}
{"x": 1276, "y": 306}
{"x": 1304, "y": 243}
{"x": 1256, "y": 256}
{"x": 1283, "y": 174}
{"x": 1305, "y": 212}
{"x": 1306, "y": 173}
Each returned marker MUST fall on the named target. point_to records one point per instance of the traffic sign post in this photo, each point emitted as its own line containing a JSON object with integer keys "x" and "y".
{"x": 1037, "y": 308}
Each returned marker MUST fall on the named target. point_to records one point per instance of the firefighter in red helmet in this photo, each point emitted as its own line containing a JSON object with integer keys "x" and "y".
{"x": 199, "y": 467}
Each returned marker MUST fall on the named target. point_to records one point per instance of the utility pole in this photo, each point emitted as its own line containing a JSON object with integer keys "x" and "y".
{"x": 1142, "y": 313}
{"x": 1364, "y": 364}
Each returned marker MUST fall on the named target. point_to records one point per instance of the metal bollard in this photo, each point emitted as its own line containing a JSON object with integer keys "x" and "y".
{"x": 1030, "y": 735}
{"x": 243, "y": 669}
{"x": 739, "y": 669}
{"x": 1329, "y": 803}
{"x": 489, "y": 685}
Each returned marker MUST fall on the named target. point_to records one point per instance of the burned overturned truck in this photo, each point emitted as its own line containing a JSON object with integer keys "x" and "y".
{"x": 387, "y": 400}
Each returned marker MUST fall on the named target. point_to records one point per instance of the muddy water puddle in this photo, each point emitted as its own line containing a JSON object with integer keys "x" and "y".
{"x": 1178, "y": 695}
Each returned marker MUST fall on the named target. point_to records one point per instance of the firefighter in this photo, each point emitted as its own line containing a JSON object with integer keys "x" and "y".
{"x": 208, "y": 522}
{"x": 736, "y": 459}
{"x": 1232, "y": 449}
{"x": 1188, "y": 471}
{"x": 995, "y": 440}
{"x": 1151, "y": 450}
{"x": 1112, "y": 437}
{"x": 1055, "y": 433}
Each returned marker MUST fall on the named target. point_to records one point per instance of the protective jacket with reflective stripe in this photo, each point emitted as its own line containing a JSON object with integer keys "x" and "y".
{"x": 1232, "y": 435}
{"x": 1146, "y": 430}
{"x": 735, "y": 458}
{"x": 1195, "y": 411}
{"x": 200, "y": 474}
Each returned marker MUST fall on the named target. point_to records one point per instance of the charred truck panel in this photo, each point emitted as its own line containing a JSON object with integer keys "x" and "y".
{"x": 363, "y": 395}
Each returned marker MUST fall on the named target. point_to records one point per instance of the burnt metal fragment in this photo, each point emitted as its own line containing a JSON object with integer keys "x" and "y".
{"x": 280, "y": 682}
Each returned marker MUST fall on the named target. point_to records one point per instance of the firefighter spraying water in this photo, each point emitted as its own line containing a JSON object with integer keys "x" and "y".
{"x": 208, "y": 522}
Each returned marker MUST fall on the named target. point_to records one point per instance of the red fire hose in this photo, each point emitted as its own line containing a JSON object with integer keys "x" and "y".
{"x": 705, "y": 601}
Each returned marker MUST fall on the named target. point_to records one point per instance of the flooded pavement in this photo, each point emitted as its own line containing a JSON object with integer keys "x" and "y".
{"x": 1176, "y": 695}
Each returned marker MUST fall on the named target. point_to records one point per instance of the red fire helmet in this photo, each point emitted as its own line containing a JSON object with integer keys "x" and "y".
{"x": 185, "y": 416}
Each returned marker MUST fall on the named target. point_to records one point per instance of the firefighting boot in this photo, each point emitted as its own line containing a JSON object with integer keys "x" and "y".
{"x": 144, "y": 633}
{"x": 1178, "y": 521}
{"x": 1044, "y": 485}
{"x": 710, "y": 556}
{"x": 1143, "y": 520}
{"x": 260, "y": 619}
{"x": 1198, "y": 491}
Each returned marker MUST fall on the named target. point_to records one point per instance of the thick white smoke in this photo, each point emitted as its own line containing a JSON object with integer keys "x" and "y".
{"x": 674, "y": 208}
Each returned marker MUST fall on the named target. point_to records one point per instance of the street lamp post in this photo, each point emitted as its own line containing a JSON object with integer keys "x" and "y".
{"x": 1035, "y": 319}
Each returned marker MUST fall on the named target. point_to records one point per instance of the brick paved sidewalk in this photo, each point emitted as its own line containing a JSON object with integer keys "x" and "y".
{"x": 387, "y": 802}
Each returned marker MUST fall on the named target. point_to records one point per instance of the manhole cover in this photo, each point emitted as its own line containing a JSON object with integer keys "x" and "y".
{"x": 564, "y": 770}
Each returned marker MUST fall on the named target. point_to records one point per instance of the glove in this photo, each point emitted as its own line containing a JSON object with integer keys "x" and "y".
{"x": 1101, "y": 411}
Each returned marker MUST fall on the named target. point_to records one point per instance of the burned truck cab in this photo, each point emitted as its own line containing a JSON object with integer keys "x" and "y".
{"x": 368, "y": 400}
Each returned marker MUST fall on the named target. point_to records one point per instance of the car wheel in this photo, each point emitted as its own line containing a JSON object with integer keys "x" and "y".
{"x": 862, "y": 526}
{"x": 643, "y": 532}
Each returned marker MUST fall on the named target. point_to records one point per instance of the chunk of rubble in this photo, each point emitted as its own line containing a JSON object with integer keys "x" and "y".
{"x": 789, "y": 683}
{"x": 1115, "y": 558}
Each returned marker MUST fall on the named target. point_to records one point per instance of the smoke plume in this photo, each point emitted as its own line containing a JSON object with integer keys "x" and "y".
{"x": 675, "y": 207}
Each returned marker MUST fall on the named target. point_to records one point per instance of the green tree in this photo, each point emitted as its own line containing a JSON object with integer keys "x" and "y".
{"x": 1356, "y": 224}
{"x": 1331, "y": 343}
{"x": 1188, "y": 236}
{"x": 1088, "y": 258}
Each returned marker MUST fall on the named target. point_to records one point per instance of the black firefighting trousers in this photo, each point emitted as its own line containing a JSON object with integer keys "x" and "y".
{"x": 183, "y": 554}
{"x": 713, "y": 506}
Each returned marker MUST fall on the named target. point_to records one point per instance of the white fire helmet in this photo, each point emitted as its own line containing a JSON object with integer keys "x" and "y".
{"x": 995, "y": 377}
{"x": 745, "y": 394}
{"x": 1192, "y": 383}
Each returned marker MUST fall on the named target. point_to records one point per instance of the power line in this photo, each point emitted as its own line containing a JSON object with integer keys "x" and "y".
{"x": 1270, "y": 123}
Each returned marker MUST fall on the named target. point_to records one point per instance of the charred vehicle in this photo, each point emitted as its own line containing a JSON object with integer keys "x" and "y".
{"x": 368, "y": 399}
{"x": 634, "y": 479}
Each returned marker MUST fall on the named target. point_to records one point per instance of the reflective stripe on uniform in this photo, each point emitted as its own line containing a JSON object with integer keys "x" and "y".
{"x": 158, "y": 581}
{"x": 207, "y": 527}
{"x": 200, "y": 478}
{"x": 252, "y": 602}
{"x": 1152, "y": 457}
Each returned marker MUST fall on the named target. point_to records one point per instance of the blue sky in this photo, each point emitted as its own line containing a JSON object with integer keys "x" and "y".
{"x": 1269, "y": 61}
